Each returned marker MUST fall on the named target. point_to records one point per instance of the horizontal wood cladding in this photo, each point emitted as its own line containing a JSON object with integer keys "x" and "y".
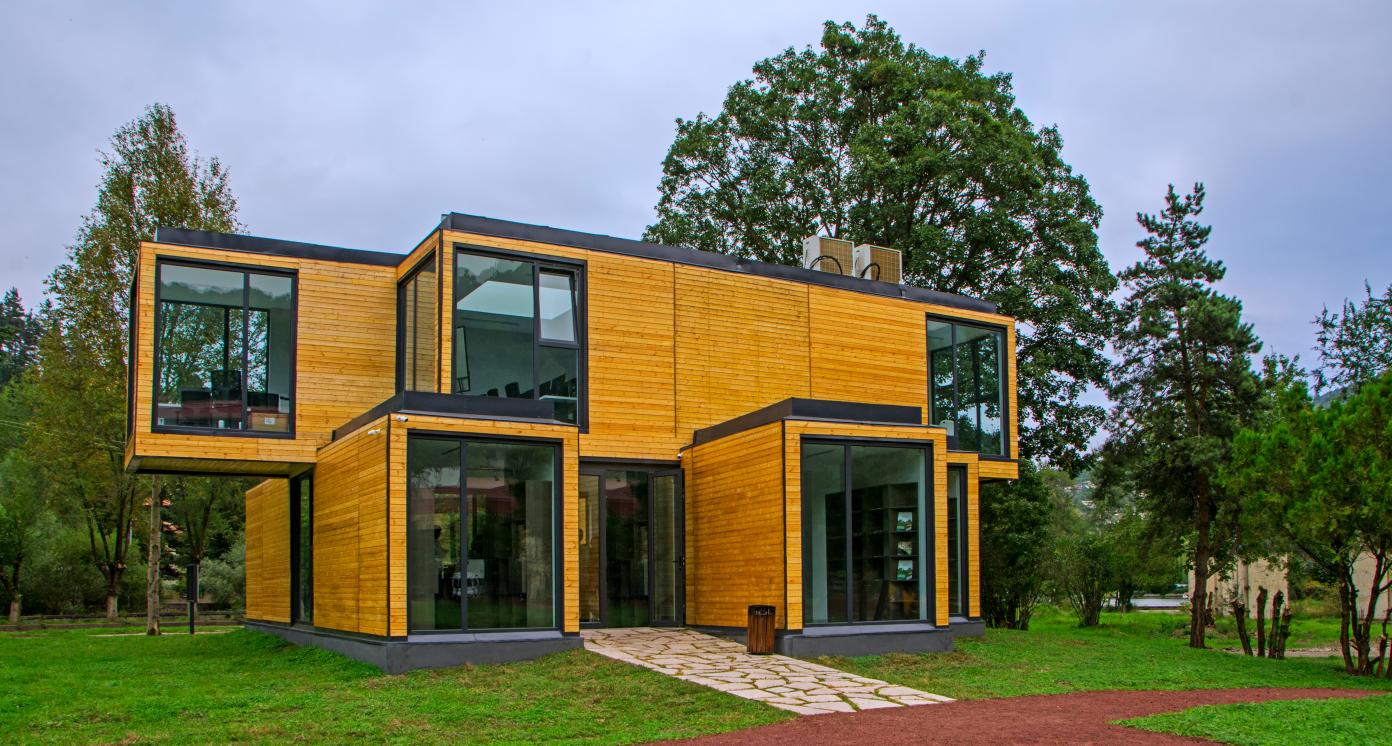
{"x": 350, "y": 532}
{"x": 675, "y": 347}
{"x": 991, "y": 469}
{"x": 796, "y": 429}
{"x": 735, "y": 529}
{"x": 567, "y": 436}
{"x": 345, "y": 357}
{"x": 268, "y": 551}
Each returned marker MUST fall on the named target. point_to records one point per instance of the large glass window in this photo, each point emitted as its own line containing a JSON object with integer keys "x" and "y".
{"x": 418, "y": 321}
{"x": 302, "y": 531}
{"x": 956, "y": 540}
{"x": 224, "y": 352}
{"x": 966, "y": 371}
{"x": 516, "y": 331}
{"x": 865, "y": 533}
{"x": 488, "y": 561}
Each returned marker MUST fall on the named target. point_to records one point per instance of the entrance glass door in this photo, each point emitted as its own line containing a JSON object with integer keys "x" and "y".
{"x": 632, "y": 557}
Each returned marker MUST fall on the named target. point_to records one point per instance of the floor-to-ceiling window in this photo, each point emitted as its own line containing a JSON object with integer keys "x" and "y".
{"x": 866, "y": 532}
{"x": 517, "y": 331}
{"x": 224, "y": 349}
{"x": 956, "y": 540}
{"x": 302, "y": 548}
{"x": 966, "y": 365}
{"x": 418, "y": 320}
{"x": 482, "y": 527}
{"x": 632, "y": 558}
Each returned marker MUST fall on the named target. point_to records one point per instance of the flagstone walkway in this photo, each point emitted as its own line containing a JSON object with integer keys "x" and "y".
{"x": 787, "y": 683}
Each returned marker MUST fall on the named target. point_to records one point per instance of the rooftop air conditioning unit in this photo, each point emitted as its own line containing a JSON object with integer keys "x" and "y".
{"x": 878, "y": 263}
{"x": 827, "y": 254}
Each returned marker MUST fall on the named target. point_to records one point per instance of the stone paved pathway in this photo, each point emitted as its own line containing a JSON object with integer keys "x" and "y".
{"x": 787, "y": 683}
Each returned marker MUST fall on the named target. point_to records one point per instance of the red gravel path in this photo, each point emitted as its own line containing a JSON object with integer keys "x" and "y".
{"x": 1081, "y": 718}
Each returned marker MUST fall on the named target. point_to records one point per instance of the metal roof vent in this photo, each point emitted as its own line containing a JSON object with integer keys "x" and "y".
{"x": 828, "y": 255}
{"x": 878, "y": 263}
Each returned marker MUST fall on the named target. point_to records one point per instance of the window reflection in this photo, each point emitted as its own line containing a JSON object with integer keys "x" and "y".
{"x": 965, "y": 380}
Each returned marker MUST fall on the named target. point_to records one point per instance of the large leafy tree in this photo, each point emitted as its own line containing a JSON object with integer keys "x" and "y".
{"x": 1319, "y": 479}
{"x": 875, "y": 141}
{"x": 1183, "y": 387}
{"x": 77, "y": 433}
{"x": 1355, "y": 344}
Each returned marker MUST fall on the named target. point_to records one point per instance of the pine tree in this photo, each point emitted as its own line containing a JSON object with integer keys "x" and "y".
{"x": 77, "y": 435}
{"x": 1183, "y": 386}
{"x": 19, "y": 337}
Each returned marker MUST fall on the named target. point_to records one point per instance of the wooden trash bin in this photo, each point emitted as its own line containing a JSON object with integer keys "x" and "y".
{"x": 759, "y": 637}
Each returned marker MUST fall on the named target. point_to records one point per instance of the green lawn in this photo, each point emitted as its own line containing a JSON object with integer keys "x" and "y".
{"x": 82, "y": 687}
{"x": 1129, "y": 651}
{"x": 1330, "y": 722}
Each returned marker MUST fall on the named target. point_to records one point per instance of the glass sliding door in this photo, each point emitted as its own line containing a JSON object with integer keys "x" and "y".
{"x": 626, "y": 536}
{"x": 667, "y": 550}
{"x": 866, "y": 530}
{"x": 486, "y": 561}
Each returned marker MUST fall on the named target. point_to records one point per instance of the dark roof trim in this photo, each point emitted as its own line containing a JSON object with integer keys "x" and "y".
{"x": 455, "y": 405}
{"x": 275, "y": 247}
{"x": 596, "y": 242}
{"x": 812, "y": 409}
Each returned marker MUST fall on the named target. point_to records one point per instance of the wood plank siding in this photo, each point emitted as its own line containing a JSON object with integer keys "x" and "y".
{"x": 350, "y": 532}
{"x": 268, "y": 551}
{"x": 735, "y": 526}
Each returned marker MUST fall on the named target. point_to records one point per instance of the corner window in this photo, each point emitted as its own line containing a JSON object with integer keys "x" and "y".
{"x": 517, "y": 331}
{"x": 417, "y": 321}
{"x": 486, "y": 561}
{"x": 865, "y": 533}
{"x": 966, "y": 377}
{"x": 224, "y": 349}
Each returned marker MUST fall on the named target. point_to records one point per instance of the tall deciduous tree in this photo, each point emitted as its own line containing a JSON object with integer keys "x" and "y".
{"x": 77, "y": 435}
{"x": 1321, "y": 480}
{"x": 1183, "y": 387}
{"x": 879, "y": 142}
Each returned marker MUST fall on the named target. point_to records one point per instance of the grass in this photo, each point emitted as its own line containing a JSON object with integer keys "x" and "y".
{"x": 1129, "y": 651}
{"x": 80, "y": 686}
{"x": 1332, "y": 722}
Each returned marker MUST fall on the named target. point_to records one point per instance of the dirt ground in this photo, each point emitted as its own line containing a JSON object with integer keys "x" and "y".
{"x": 1081, "y": 718}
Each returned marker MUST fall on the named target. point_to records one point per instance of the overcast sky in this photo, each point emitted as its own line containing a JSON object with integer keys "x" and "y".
{"x": 358, "y": 124}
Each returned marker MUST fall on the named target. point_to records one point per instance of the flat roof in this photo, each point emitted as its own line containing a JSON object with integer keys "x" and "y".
{"x": 496, "y": 228}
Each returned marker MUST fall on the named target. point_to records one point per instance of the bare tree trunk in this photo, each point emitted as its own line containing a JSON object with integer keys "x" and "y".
{"x": 14, "y": 609}
{"x": 152, "y": 574}
{"x": 1274, "y": 644}
{"x": 1261, "y": 622}
{"x": 1239, "y": 612}
{"x": 111, "y": 610}
{"x": 1198, "y": 619}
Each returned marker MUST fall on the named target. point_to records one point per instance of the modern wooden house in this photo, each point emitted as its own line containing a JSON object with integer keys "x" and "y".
{"x": 476, "y": 449}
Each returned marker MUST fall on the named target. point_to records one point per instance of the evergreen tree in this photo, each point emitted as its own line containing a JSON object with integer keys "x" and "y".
{"x": 1354, "y": 345}
{"x": 879, "y": 142}
{"x": 19, "y": 337}
{"x": 1183, "y": 387}
{"x": 77, "y": 433}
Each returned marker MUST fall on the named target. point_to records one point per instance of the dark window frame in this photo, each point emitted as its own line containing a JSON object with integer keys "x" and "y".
{"x": 246, "y": 270}
{"x": 557, "y": 530}
{"x": 429, "y": 261}
{"x": 1006, "y": 355}
{"x": 578, "y": 269}
{"x": 297, "y": 498}
{"x": 927, "y": 538}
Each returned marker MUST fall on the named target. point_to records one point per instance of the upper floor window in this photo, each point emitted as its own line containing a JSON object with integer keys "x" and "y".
{"x": 224, "y": 349}
{"x": 966, "y": 372}
{"x": 417, "y": 365}
{"x": 516, "y": 330}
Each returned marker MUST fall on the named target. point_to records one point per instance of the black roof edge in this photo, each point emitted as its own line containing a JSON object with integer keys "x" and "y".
{"x": 455, "y": 405}
{"x": 811, "y": 409}
{"x": 274, "y": 246}
{"x": 679, "y": 255}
